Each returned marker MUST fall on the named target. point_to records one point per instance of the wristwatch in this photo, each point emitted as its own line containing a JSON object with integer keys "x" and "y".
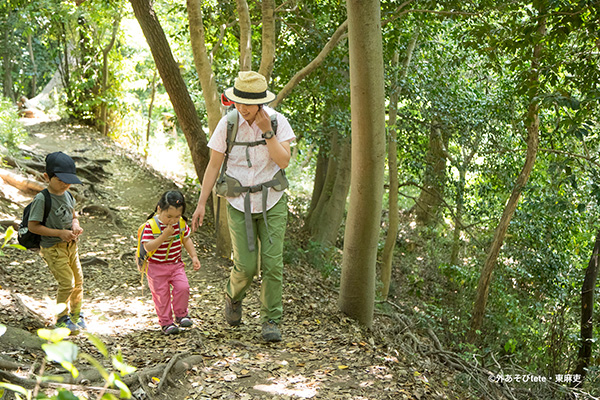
{"x": 268, "y": 134}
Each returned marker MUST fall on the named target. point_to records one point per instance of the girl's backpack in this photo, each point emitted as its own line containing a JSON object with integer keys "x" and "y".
{"x": 142, "y": 256}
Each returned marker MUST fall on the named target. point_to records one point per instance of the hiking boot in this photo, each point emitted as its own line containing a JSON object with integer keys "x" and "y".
{"x": 79, "y": 321}
{"x": 233, "y": 311}
{"x": 170, "y": 329}
{"x": 270, "y": 332}
{"x": 65, "y": 322}
{"x": 184, "y": 322}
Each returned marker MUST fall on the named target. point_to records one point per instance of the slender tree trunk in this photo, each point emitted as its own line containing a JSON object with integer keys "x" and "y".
{"x": 174, "y": 84}
{"x": 268, "y": 39}
{"x": 434, "y": 177}
{"x": 245, "y": 35}
{"x": 318, "y": 185}
{"x": 357, "y": 285}
{"x": 533, "y": 126}
{"x": 335, "y": 39}
{"x": 105, "y": 51}
{"x": 459, "y": 213}
{"x": 214, "y": 108}
{"x": 587, "y": 312}
{"x": 150, "y": 108}
{"x": 7, "y": 63}
{"x": 329, "y": 212}
{"x": 33, "y": 90}
{"x": 394, "y": 220}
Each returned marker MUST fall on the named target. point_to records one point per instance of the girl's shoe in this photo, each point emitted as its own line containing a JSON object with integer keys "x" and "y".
{"x": 170, "y": 329}
{"x": 184, "y": 322}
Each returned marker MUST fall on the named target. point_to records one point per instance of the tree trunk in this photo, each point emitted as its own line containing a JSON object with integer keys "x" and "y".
{"x": 105, "y": 51}
{"x": 245, "y": 35}
{"x": 150, "y": 107}
{"x": 434, "y": 176}
{"x": 329, "y": 211}
{"x": 174, "y": 84}
{"x": 268, "y": 39}
{"x": 336, "y": 38}
{"x": 394, "y": 220}
{"x": 587, "y": 312}
{"x": 33, "y": 90}
{"x": 357, "y": 285}
{"x": 459, "y": 213}
{"x": 213, "y": 110}
{"x": 533, "y": 126}
{"x": 318, "y": 185}
{"x": 7, "y": 63}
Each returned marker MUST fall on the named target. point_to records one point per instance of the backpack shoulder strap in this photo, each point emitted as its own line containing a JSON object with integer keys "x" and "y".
{"x": 182, "y": 225}
{"x": 232, "y": 128}
{"x": 154, "y": 225}
{"x": 47, "y": 205}
{"x": 274, "y": 123}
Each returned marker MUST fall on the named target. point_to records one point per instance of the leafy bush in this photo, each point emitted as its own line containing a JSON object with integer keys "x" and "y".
{"x": 12, "y": 133}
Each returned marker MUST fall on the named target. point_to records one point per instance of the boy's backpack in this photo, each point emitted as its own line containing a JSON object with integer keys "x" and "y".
{"x": 142, "y": 256}
{"x": 28, "y": 239}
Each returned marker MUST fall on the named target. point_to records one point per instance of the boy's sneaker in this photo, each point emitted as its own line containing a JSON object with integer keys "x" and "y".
{"x": 79, "y": 321}
{"x": 270, "y": 332}
{"x": 65, "y": 322}
{"x": 184, "y": 322}
{"x": 233, "y": 311}
{"x": 170, "y": 329}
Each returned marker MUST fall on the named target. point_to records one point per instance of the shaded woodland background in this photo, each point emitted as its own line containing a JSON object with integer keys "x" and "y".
{"x": 490, "y": 193}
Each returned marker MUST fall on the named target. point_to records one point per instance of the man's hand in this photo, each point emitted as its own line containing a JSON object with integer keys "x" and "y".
{"x": 198, "y": 216}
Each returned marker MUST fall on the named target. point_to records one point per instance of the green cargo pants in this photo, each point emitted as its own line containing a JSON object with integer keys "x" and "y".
{"x": 271, "y": 256}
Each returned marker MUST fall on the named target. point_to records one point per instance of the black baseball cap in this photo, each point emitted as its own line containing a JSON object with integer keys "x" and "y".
{"x": 63, "y": 166}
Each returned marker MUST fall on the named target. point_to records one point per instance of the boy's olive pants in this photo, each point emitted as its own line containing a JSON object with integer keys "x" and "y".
{"x": 63, "y": 261}
{"x": 271, "y": 257}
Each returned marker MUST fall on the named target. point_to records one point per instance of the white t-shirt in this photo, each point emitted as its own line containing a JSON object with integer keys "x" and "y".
{"x": 263, "y": 167}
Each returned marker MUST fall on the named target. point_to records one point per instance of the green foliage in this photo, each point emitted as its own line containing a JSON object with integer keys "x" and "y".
{"x": 66, "y": 353}
{"x": 12, "y": 133}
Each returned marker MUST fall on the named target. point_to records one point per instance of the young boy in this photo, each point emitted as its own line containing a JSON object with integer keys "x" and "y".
{"x": 59, "y": 238}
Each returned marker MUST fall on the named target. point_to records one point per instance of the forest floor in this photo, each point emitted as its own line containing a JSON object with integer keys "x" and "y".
{"x": 323, "y": 355}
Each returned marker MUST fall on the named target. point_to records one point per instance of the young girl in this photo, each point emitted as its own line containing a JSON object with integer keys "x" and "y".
{"x": 165, "y": 267}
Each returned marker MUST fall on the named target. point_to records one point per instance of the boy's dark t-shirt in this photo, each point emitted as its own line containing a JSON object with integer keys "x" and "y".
{"x": 60, "y": 216}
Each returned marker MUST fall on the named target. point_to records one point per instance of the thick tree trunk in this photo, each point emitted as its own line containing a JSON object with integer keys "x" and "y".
{"x": 329, "y": 211}
{"x": 214, "y": 108}
{"x": 434, "y": 176}
{"x": 174, "y": 84}
{"x": 587, "y": 312}
{"x": 245, "y": 35}
{"x": 394, "y": 220}
{"x": 357, "y": 285}
{"x": 533, "y": 126}
{"x": 268, "y": 39}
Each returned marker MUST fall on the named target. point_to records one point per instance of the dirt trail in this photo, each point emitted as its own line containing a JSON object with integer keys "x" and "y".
{"x": 323, "y": 355}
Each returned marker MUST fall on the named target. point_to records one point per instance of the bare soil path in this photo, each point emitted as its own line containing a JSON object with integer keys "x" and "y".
{"x": 324, "y": 355}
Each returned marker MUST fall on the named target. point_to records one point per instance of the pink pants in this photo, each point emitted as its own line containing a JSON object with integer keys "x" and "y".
{"x": 160, "y": 279}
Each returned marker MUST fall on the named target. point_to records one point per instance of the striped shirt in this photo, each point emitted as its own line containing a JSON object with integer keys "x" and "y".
{"x": 175, "y": 249}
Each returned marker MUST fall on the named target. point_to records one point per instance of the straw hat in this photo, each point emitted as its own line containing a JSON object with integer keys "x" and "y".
{"x": 250, "y": 88}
